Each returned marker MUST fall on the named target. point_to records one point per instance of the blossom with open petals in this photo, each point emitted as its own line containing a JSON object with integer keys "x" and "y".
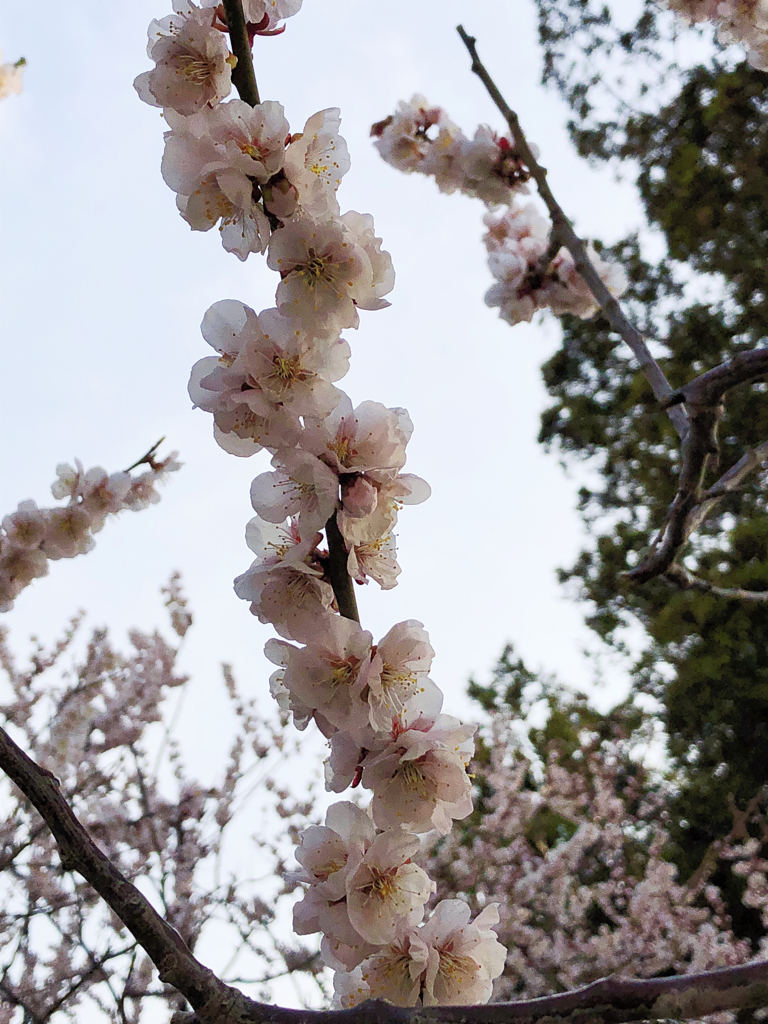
{"x": 419, "y": 780}
{"x": 315, "y": 162}
{"x": 193, "y": 65}
{"x": 386, "y": 888}
{"x": 464, "y": 956}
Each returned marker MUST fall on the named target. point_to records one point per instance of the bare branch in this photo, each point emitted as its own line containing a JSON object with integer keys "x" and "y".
{"x": 611, "y": 1000}
{"x": 563, "y": 230}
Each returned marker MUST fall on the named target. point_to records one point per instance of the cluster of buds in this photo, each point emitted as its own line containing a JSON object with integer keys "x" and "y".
{"x": 738, "y": 21}
{"x": 529, "y": 275}
{"x": 32, "y": 536}
{"x": 338, "y": 471}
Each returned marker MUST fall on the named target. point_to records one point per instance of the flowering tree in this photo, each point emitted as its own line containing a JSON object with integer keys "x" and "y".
{"x": 325, "y": 517}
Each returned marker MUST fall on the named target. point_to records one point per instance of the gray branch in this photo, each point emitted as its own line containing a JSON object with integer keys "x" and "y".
{"x": 563, "y": 230}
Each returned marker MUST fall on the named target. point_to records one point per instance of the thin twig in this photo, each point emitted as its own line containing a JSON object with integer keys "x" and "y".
{"x": 148, "y": 457}
{"x": 562, "y": 227}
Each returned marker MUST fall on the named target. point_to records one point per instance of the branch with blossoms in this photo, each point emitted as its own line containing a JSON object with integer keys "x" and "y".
{"x": 540, "y": 264}
{"x": 338, "y": 481}
{"x": 31, "y": 537}
{"x": 338, "y": 477}
{"x": 614, "y": 999}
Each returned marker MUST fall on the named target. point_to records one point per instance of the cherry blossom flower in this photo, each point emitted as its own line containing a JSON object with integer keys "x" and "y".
{"x": 216, "y": 161}
{"x": 375, "y": 560}
{"x": 329, "y": 673}
{"x": 284, "y": 585}
{"x": 391, "y": 495}
{"x": 290, "y": 365}
{"x": 517, "y": 240}
{"x": 397, "y": 677}
{"x": 302, "y": 486}
{"x": 422, "y": 138}
{"x": 448, "y": 961}
{"x": 329, "y": 854}
{"x": 315, "y": 162}
{"x": 493, "y": 171}
{"x": 25, "y": 528}
{"x": 359, "y": 228}
{"x": 240, "y": 406}
{"x": 386, "y": 888}
{"x": 243, "y": 421}
{"x": 369, "y": 439}
{"x": 419, "y": 780}
{"x": 394, "y": 972}
{"x": 193, "y": 65}
{"x": 323, "y": 272}
{"x": 464, "y": 957}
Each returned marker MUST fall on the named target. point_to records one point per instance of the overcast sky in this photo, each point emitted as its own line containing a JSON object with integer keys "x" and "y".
{"x": 104, "y": 286}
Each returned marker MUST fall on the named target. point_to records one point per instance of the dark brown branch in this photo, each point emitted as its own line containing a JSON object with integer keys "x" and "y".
{"x": 611, "y": 1001}
{"x": 563, "y": 229}
{"x": 336, "y": 567}
{"x": 614, "y": 1000}
{"x": 703, "y": 397}
{"x": 243, "y": 75}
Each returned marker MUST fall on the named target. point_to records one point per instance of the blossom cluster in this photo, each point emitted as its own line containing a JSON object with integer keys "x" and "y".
{"x": 10, "y": 77}
{"x": 31, "y": 537}
{"x": 529, "y": 276}
{"x": 738, "y": 21}
{"x": 337, "y": 468}
{"x": 418, "y": 137}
